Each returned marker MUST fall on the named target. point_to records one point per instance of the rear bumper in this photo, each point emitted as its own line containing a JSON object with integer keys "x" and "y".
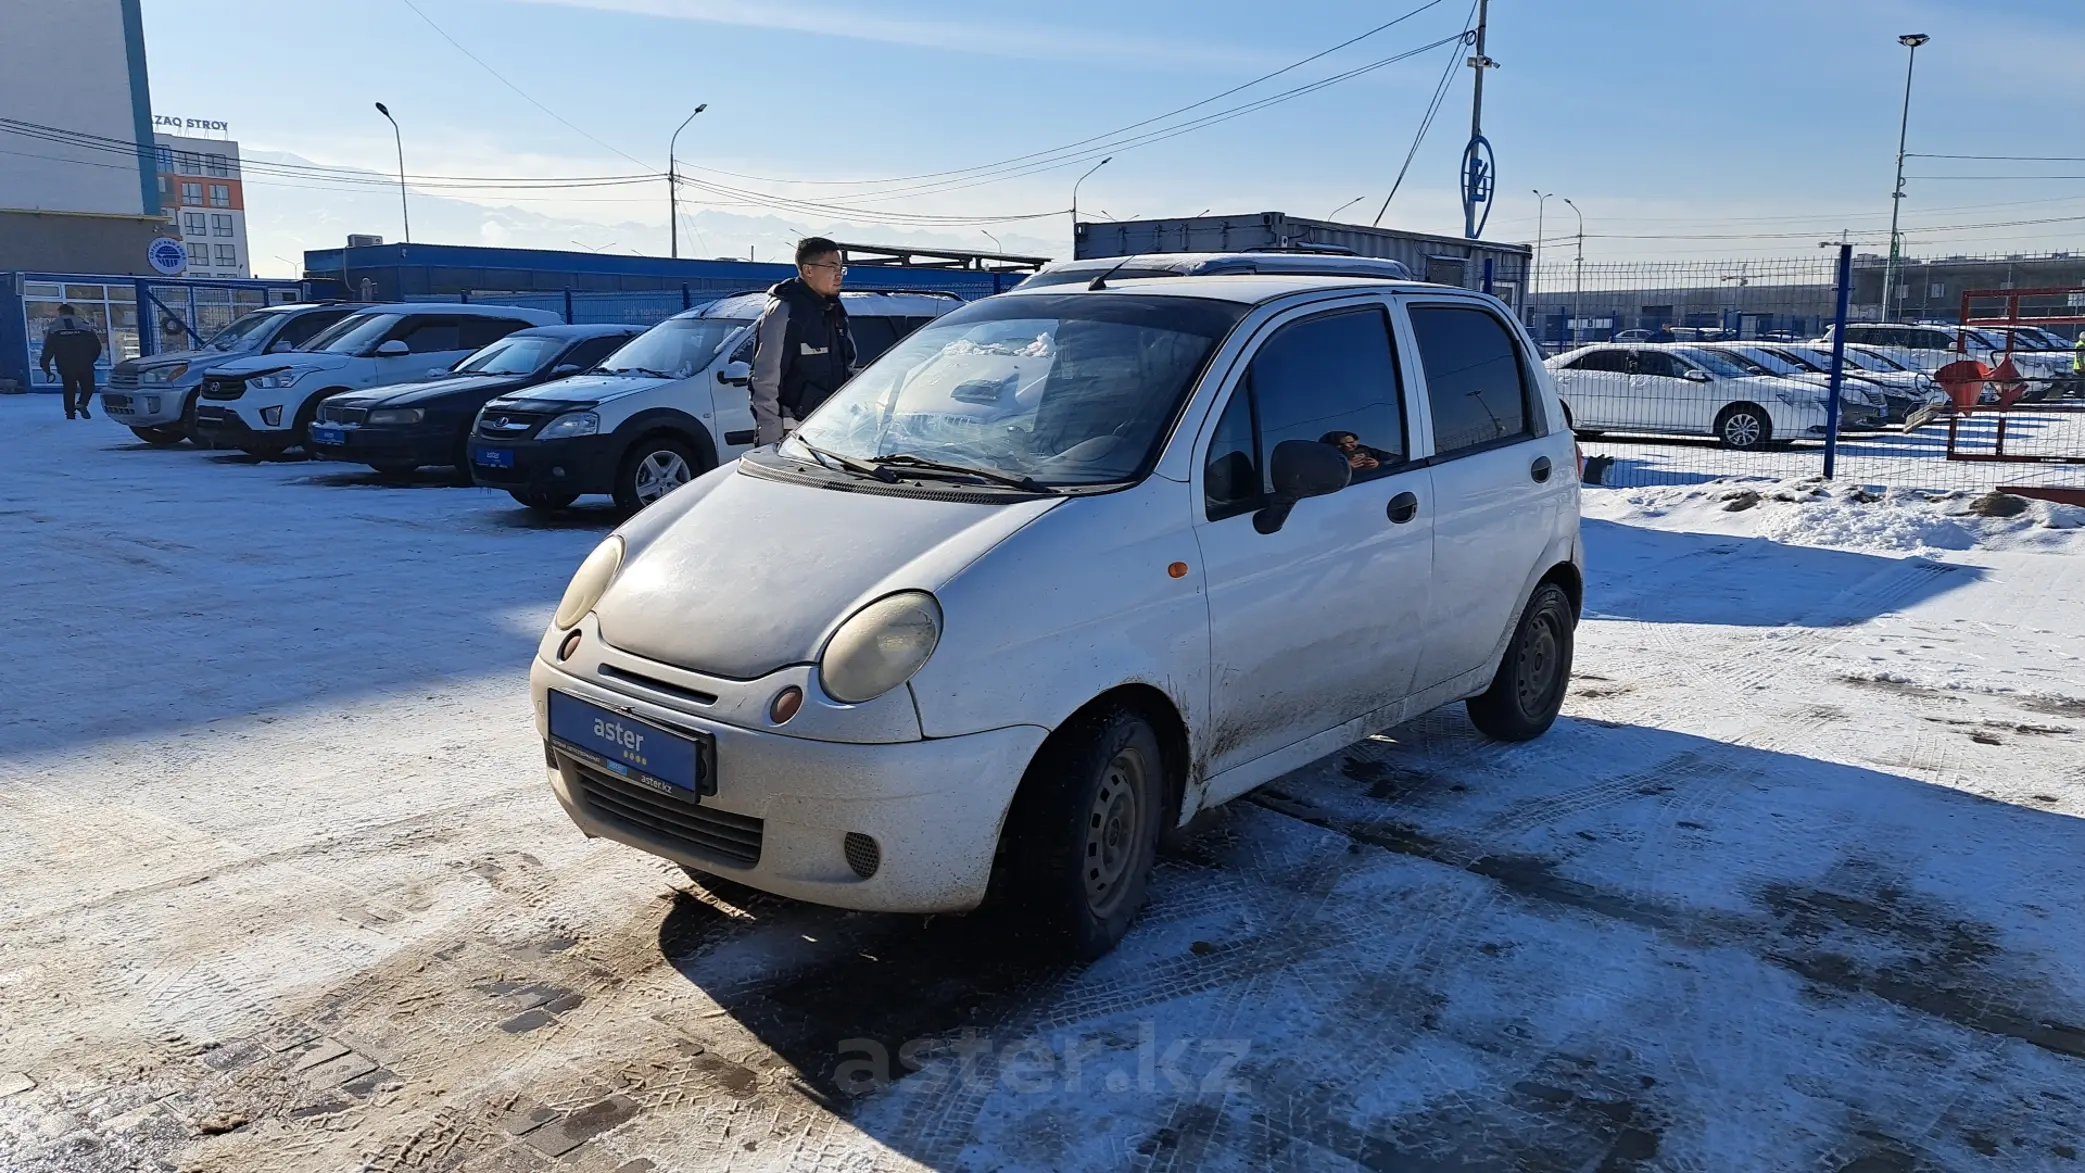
{"x": 585, "y": 464}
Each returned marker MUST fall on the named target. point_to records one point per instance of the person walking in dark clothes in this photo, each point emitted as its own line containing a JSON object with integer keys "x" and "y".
{"x": 804, "y": 349}
{"x": 75, "y": 348}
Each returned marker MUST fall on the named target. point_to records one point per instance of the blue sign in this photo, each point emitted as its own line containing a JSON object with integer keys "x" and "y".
{"x": 1478, "y": 180}
{"x": 167, "y": 255}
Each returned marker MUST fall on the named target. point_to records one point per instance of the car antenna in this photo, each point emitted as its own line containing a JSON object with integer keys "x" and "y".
{"x": 1101, "y": 282}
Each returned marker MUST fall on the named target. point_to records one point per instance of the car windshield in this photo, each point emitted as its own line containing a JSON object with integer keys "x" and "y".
{"x": 1802, "y": 360}
{"x": 1866, "y": 361}
{"x": 354, "y": 334}
{"x": 1986, "y": 339}
{"x": 1730, "y": 366}
{"x": 1766, "y": 361}
{"x": 1063, "y": 389}
{"x": 242, "y": 334}
{"x": 512, "y": 355}
{"x": 673, "y": 349}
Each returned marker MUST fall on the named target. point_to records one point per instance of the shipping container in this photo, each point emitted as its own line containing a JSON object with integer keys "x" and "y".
{"x": 1449, "y": 260}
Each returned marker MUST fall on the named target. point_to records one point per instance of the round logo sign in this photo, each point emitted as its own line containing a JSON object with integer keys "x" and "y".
{"x": 167, "y": 255}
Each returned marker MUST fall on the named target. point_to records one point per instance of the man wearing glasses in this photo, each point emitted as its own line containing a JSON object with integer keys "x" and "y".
{"x": 804, "y": 350}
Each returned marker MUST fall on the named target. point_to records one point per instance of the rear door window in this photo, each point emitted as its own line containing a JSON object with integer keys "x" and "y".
{"x": 872, "y": 336}
{"x": 307, "y": 326}
{"x": 429, "y": 335}
{"x": 480, "y": 332}
{"x": 1611, "y": 361}
{"x": 1474, "y": 379}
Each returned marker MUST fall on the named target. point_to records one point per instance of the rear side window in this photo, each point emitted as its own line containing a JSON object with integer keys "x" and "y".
{"x": 481, "y": 332}
{"x": 427, "y": 335}
{"x": 307, "y": 326}
{"x": 1612, "y": 361}
{"x": 1330, "y": 379}
{"x": 1474, "y": 380}
{"x": 872, "y": 336}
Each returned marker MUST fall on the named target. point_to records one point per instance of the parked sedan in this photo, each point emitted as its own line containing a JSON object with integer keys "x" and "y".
{"x": 1768, "y": 359}
{"x": 1904, "y": 391}
{"x": 398, "y": 428}
{"x": 1688, "y": 390}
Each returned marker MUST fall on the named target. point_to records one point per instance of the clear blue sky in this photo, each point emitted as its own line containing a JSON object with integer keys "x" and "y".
{"x": 1660, "y": 119}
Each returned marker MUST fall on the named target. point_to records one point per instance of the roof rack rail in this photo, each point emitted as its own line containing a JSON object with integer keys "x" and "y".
{"x": 1330, "y": 250}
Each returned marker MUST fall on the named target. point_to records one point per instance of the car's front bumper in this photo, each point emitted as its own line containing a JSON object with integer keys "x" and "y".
{"x": 415, "y": 444}
{"x": 146, "y": 405}
{"x": 223, "y": 426}
{"x": 583, "y": 464}
{"x": 785, "y": 806}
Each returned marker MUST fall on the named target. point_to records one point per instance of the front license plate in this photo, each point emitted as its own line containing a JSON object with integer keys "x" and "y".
{"x": 328, "y": 436}
{"x": 493, "y": 457}
{"x": 624, "y": 745}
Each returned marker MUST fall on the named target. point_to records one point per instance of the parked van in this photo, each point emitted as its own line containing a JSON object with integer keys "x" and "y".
{"x": 661, "y": 411}
{"x": 155, "y": 396}
{"x": 264, "y": 404}
{"x": 1058, "y": 572}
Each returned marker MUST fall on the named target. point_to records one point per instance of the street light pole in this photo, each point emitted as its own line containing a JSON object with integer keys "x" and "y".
{"x": 1910, "y": 41}
{"x": 399, "y": 139}
{"x": 1075, "y": 202}
{"x": 1541, "y": 205}
{"x": 1578, "y": 283}
{"x": 996, "y": 246}
{"x": 1343, "y": 207}
{"x": 673, "y": 184}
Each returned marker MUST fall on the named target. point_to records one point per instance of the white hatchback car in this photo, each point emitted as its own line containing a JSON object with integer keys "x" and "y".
{"x": 265, "y": 404}
{"x": 1061, "y": 570}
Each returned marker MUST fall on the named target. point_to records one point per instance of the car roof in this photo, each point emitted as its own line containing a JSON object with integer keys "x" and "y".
{"x": 1302, "y": 261}
{"x": 882, "y": 303}
{"x": 462, "y": 309}
{"x": 595, "y": 330}
{"x": 1247, "y": 288}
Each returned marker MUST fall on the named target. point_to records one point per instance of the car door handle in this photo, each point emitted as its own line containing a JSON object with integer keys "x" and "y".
{"x": 1403, "y": 508}
{"x": 1540, "y": 470}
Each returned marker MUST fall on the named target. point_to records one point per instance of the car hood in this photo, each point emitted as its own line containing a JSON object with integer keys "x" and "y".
{"x": 406, "y": 394}
{"x": 591, "y": 388}
{"x": 739, "y": 575}
{"x": 303, "y": 360}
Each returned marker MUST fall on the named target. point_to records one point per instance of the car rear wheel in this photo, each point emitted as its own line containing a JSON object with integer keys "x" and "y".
{"x": 1743, "y": 426}
{"x": 543, "y": 502}
{"x": 654, "y": 467}
{"x": 1084, "y": 829}
{"x": 1528, "y": 691}
{"x": 163, "y": 436}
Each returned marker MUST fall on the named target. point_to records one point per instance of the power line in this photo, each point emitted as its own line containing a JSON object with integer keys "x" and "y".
{"x": 1440, "y": 94}
{"x": 2004, "y": 158}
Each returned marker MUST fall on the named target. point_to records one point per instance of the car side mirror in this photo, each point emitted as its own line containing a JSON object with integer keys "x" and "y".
{"x": 563, "y": 369}
{"x": 738, "y": 374}
{"x": 393, "y": 349}
{"x": 1301, "y": 468}
{"x": 1697, "y": 375}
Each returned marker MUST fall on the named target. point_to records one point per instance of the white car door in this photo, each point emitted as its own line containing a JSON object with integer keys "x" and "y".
{"x": 1502, "y": 473}
{"x": 1678, "y": 402}
{"x": 1319, "y": 621}
{"x": 1595, "y": 387}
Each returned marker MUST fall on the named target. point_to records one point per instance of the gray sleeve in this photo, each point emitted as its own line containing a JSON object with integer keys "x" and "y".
{"x": 772, "y": 334}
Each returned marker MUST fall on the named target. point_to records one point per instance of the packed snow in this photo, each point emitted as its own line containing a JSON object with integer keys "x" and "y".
{"x": 1796, "y": 883}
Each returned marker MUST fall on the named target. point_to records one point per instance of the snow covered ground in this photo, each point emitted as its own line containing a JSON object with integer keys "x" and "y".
{"x": 1797, "y": 883}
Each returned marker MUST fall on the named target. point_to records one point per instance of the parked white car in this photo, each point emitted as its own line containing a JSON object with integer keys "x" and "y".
{"x": 1769, "y": 359}
{"x": 155, "y": 397}
{"x": 1058, "y": 572}
{"x": 1685, "y": 390}
{"x": 667, "y": 407}
{"x": 264, "y": 404}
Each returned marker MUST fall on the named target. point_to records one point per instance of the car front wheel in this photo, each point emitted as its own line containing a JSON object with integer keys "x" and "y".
{"x": 1528, "y": 691}
{"x": 543, "y": 502}
{"x": 163, "y": 436}
{"x": 653, "y": 468}
{"x": 1744, "y": 427}
{"x": 1084, "y": 829}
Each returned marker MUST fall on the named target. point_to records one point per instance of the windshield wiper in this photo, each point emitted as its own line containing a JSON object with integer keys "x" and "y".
{"x": 634, "y": 371}
{"x": 908, "y": 460}
{"x": 848, "y": 462}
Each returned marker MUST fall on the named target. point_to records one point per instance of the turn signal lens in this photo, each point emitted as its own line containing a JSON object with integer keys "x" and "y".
{"x": 787, "y": 704}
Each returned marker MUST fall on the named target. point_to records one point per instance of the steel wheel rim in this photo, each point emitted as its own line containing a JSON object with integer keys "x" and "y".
{"x": 1112, "y": 825}
{"x": 1742, "y": 430}
{"x": 659, "y": 474}
{"x": 1541, "y": 655}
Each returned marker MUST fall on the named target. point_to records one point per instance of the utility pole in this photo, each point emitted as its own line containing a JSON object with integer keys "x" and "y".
{"x": 1578, "y": 288}
{"x": 1541, "y": 204}
{"x": 673, "y": 183}
{"x": 1478, "y": 174}
{"x": 1910, "y": 41}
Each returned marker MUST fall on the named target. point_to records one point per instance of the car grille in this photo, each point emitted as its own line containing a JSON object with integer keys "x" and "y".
{"x": 216, "y": 388}
{"x": 114, "y": 402}
{"x": 330, "y": 414}
{"x": 122, "y": 380}
{"x": 695, "y": 829}
{"x": 511, "y": 425}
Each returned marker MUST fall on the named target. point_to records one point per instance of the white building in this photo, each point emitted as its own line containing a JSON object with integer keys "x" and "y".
{"x": 199, "y": 185}
{"x": 77, "y": 190}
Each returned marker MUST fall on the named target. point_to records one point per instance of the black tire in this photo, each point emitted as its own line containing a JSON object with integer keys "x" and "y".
{"x": 543, "y": 502}
{"x": 653, "y": 467}
{"x": 300, "y": 431}
{"x": 1744, "y": 427}
{"x": 188, "y": 423}
{"x": 1528, "y": 692}
{"x": 1083, "y": 832}
{"x": 163, "y": 436}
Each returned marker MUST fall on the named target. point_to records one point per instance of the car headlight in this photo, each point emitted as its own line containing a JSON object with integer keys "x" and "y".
{"x": 158, "y": 376}
{"x": 576, "y": 423}
{"x": 277, "y": 380}
{"x": 397, "y": 415}
{"x": 1798, "y": 399}
{"x": 880, "y": 647}
{"x": 590, "y": 582}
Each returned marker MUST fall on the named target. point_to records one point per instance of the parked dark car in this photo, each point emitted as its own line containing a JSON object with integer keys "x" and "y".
{"x": 398, "y": 428}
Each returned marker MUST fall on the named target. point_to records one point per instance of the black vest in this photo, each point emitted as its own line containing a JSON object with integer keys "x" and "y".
{"x": 818, "y": 352}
